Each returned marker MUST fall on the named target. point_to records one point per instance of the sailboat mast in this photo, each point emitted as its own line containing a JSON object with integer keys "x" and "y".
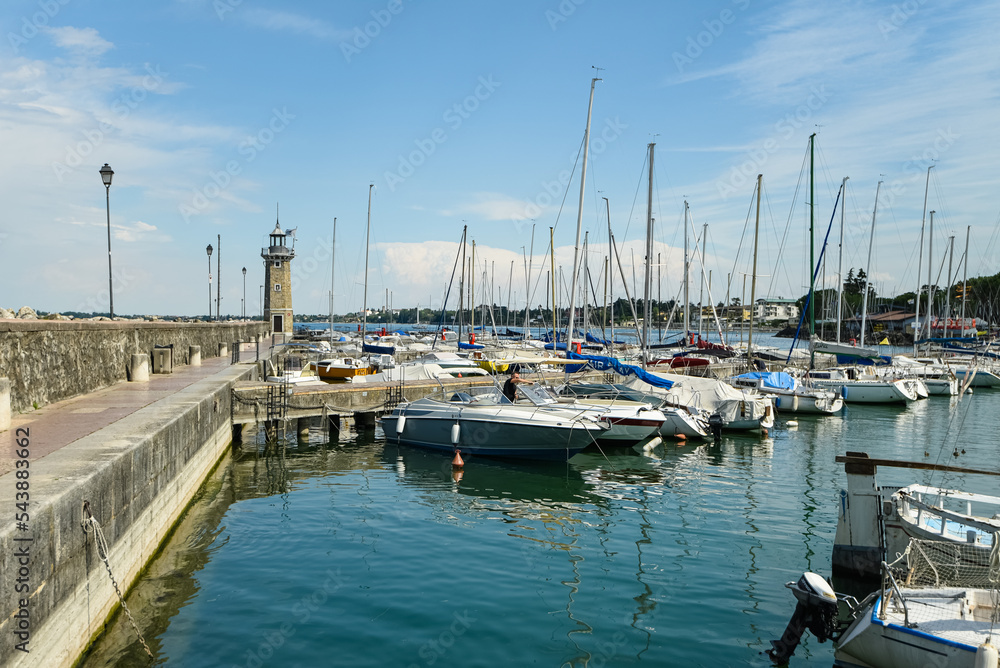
{"x": 920, "y": 260}
{"x": 687, "y": 300}
{"x": 840, "y": 259}
{"x": 965, "y": 279}
{"x": 701, "y": 291}
{"x": 947, "y": 295}
{"x": 472, "y": 291}
{"x": 586, "y": 278}
{"x": 753, "y": 275}
{"x": 364, "y": 301}
{"x": 461, "y": 287}
{"x": 579, "y": 221}
{"x": 333, "y": 275}
{"x": 611, "y": 278}
{"x": 812, "y": 243}
{"x": 552, "y": 263}
{"x": 646, "y": 311}
{"x": 871, "y": 242}
{"x": 930, "y": 262}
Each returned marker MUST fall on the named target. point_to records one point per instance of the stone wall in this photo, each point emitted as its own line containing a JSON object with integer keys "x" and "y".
{"x": 137, "y": 476}
{"x": 48, "y": 361}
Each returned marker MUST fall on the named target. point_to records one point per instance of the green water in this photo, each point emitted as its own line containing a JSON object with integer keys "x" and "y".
{"x": 357, "y": 553}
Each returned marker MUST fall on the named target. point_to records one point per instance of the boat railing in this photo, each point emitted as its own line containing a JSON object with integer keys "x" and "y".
{"x": 974, "y": 525}
{"x": 889, "y": 588}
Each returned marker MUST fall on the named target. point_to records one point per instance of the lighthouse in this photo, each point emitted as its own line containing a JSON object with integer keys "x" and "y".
{"x": 278, "y": 281}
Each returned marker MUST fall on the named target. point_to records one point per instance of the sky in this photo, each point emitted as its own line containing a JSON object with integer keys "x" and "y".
{"x": 220, "y": 117}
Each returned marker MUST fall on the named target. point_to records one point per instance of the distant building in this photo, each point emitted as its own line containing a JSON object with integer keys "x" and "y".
{"x": 278, "y": 281}
{"x": 776, "y": 308}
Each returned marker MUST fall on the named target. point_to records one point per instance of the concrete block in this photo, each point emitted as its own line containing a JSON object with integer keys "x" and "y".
{"x": 194, "y": 355}
{"x": 302, "y": 428}
{"x": 4, "y": 404}
{"x": 364, "y": 421}
{"x": 163, "y": 360}
{"x": 223, "y": 349}
{"x": 138, "y": 370}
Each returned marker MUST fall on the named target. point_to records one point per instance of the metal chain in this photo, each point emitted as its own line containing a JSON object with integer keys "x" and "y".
{"x": 102, "y": 552}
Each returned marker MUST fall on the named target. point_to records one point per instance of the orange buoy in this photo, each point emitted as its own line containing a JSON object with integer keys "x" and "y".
{"x": 680, "y": 437}
{"x": 457, "y": 462}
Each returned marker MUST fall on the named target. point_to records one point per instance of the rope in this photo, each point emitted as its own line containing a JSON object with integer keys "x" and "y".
{"x": 102, "y": 553}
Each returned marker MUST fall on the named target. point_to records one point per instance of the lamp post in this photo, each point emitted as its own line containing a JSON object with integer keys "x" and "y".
{"x": 209, "y": 251}
{"x": 244, "y": 293}
{"x": 218, "y": 270}
{"x": 106, "y": 174}
{"x": 261, "y": 302}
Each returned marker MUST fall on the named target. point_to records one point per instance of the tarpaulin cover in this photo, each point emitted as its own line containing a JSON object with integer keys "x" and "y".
{"x": 602, "y": 363}
{"x": 776, "y": 379}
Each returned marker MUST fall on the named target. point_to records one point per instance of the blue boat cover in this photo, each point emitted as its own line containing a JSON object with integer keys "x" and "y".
{"x": 602, "y": 363}
{"x": 378, "y": 350}
{"x": 776, "y": 379}
{"x": 470, "y": 346}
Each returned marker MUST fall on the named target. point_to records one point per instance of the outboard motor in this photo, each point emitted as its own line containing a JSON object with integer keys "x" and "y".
{"x": 816, "y": 610}
{"x": 715, "y": 425}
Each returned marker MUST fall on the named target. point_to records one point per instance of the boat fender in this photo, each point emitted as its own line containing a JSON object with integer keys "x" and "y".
{"x": 456, "y": 431}
{"x": 400, "y": 424}
{"x": 986, "y": 656}
{"x": 795, "y": 403}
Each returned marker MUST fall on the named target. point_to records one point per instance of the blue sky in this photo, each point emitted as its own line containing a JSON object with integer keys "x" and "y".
{"x": 211, "y": 112}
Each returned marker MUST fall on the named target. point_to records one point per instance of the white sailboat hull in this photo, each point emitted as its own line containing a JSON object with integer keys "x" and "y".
{"x": 868, "y": 391}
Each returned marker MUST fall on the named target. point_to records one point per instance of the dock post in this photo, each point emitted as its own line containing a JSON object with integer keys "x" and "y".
{"x": 237, "y": 435}
{"x": 302, "y": 428}
{"x": 138, "y": 370}
{"x": 364, "y": 421}
{"x": 194, "y": 355}
{"x": 5, "y": 414}
{"x": 333, "y": 425}
{"x": 223, "y": 349}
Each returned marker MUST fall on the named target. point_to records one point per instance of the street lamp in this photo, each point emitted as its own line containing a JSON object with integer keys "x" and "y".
{"x": 209, "y": 251}
{"x": 244, "y": 293}
{"x": 106, "y": 174}
{"x": 262, "y": 302}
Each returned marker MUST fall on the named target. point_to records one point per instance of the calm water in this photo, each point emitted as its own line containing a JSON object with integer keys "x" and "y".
{"x": 358, "y": 553}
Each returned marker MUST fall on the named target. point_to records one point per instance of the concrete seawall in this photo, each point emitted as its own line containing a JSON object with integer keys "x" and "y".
{"x": 48, "y": 361}
{"x": 138, "y": 475}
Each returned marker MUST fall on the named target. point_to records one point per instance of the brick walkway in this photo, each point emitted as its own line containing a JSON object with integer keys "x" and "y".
{"x": 57, "y": 425}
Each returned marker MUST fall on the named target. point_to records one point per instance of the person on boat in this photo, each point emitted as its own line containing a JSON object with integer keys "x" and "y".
{"x": 510, "y": 387}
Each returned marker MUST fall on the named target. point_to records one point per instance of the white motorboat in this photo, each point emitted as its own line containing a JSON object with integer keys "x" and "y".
{"x": 738, "y": 409}
{"x": 487, "y": 423}
{"x": 631, "y": 421}
{"x": 678, "y": 422}
{"x": 788, "y": 393}
{"x": 859, "y": 386}
{"x": 938, "y": 378}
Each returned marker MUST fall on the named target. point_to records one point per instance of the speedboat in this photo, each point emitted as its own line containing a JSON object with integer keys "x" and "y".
{"x": 342, "y": 368}
{"x": 487, "y": 423}
{"x": 678, "y": 421}
{"x": 857, "y": 386}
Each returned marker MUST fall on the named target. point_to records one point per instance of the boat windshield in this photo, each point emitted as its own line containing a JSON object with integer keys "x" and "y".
{"x": 539, "y": 395}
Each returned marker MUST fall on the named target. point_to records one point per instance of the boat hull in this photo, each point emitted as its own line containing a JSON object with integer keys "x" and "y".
{"x": 491, "y": 438}
{"x": 868, "y": 392}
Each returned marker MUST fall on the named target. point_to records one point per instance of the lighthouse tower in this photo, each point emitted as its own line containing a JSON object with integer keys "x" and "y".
{"x": 278, "y": 281}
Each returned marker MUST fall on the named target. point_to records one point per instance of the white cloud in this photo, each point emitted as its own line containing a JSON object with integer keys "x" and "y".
{"x": 80, "y": 41}
{"x": 296, "y": 23}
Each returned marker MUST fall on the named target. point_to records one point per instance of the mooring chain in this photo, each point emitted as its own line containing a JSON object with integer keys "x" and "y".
{"x": 102, "y": 552}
